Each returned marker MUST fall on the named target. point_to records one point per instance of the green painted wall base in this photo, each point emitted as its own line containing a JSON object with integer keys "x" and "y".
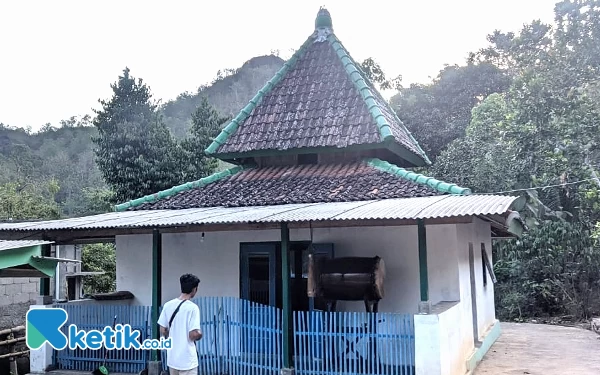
{"x": 491, "y": 337}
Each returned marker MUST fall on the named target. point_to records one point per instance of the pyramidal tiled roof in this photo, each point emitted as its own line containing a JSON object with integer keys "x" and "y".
{"x": 319, "y": 99}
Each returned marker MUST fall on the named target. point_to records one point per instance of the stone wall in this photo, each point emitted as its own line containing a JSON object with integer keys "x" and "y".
{"x": 18, "y": 290}
{"x": 16, "y": 295}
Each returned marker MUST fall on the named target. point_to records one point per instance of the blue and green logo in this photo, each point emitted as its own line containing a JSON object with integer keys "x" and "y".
{"x": 44, "y": 326}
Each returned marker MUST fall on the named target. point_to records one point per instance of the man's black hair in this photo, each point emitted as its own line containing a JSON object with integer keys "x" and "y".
{"x": 188, "y": 282}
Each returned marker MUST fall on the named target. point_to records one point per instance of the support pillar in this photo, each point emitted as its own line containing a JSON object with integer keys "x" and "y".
{"x": 286, "y": 298}
{"x": 156, "y": 286}
{"x": 40, "y": 359}
{"x": 45, "y": 298}
{"x": 425, "y": 304}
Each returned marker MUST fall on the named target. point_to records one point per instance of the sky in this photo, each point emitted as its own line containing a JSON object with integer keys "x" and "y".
{"x": 57, "y": 58}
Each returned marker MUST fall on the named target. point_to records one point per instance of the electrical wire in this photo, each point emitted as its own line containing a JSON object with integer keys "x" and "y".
{"x": 541, "y": 187}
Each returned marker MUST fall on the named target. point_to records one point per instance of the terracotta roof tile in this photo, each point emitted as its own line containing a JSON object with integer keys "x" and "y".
{"x": 296, "y": 184}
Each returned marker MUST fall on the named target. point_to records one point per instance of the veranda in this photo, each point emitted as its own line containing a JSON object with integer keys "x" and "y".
{"x": 243, "y": 337}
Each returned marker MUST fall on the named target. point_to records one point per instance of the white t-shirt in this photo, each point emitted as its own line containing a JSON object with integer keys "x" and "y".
{"x": 182, "y": 355}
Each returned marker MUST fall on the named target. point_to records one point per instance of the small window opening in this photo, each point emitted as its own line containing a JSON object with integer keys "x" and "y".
{"x": 308, "y": 159}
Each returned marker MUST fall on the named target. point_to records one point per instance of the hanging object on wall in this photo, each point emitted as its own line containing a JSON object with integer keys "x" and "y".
{"x": 346, "y": 279}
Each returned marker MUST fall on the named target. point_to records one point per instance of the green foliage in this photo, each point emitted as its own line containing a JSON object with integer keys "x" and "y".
{"x": 29, "y": 201}
{"x": 229, "y": 92}
{"x": 438, "y": 113}
{"x": 135, "y": 152}
{"x": 484, "y": 159}
{"x": 544, "y": 132}
{"x": 99, "y": 258}
{"x": 553, "y": 270}
{"x": 206, "y": 125}
{"x": 376, "y": 75}
{"x": 98, "y": 200}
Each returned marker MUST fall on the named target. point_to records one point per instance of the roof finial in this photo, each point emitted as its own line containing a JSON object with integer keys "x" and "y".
{"x": 323, "y": 25}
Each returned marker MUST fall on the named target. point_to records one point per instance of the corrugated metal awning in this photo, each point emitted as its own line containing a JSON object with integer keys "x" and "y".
{"x": 445, "y": 206}
{"x": 10, "y": 245}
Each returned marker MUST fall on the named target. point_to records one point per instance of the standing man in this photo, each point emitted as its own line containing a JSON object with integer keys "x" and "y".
{"x": 180, "y": 320}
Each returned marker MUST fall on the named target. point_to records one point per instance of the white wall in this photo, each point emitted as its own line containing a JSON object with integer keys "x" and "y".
{"x": 134, "y": 266}
{"x": 436, "y": 338}
{"x": 215, "y": 260}
{"x": 444, "y": 339}
{"x": 397, "y": 246}
{"x": 476, "y": 233}
{"x": 442, "y": 263}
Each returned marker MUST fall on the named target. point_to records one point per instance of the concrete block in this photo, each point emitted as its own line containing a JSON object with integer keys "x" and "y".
{"x": 29, "y": 288}
{"x": 12, "y": 289}
{"x": 2, "y": 290}
{"x": 34, "y": 296}
{"x": 21, "y": 298}
{"x": 154, "y": 368}
{"x": 21, "y": 280}
{"x": 43, "y": 300}
{"x": 6, "y": 300}
{"x": 6, "y": 280}
{"x": 34, "y": 280}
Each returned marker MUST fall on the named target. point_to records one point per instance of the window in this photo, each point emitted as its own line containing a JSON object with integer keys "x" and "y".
{"x": 308, "y": 159}
{"x": 486, "y": 266}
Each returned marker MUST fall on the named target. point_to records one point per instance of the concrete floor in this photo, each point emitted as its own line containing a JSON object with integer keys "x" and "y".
{"x": 534, "y": 349}
{"x": 540, "y": 349}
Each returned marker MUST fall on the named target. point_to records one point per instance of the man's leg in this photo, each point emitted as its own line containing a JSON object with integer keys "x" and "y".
{"x": 172, "y": 371}
{"x": 193, "y": 371}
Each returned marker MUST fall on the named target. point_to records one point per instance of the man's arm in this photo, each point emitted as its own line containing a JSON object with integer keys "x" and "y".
{"x": 195, "y": 333}
{"x": 162, "y": 322}
{"x": 164, "y": 332}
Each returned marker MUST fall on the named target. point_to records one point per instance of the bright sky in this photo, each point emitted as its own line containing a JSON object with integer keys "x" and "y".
{"x": 57, "y": 58}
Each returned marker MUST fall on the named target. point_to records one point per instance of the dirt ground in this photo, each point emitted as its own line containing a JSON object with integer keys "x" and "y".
{"x": 540, "y": 349}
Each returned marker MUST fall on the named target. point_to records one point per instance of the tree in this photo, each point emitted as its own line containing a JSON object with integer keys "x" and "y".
{"x": 206, "y": 125}
{"x": 135, "y": 151}
{"x": 376, "y": 75}
{"x": 99, "y": 258}
{"x": 438, "y": 113}
{"x": 29, "y": 201}
{"x": 548, "y": 122}
{"x": 484, "y": 160}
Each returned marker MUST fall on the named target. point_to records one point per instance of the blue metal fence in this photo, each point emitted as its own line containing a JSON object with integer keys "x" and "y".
{"x": 239, "y": 337}
{"x": 328, "y": 343}
{"x": 245, "y": 338}
{"x": 96, "y": 317}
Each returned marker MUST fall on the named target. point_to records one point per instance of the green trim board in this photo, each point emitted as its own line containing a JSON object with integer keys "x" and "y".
{"x": 29, "y": 258}
{"x": 490, "y": 338}
{"x": 423, "y": 271}
{"x": 156, "y": 286}
{"x": 179, "y": 188}
{"x": 287, "y": 318}
{"x": 440, "y": 186}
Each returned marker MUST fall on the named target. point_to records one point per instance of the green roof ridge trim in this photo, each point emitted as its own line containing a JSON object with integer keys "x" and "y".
{"x": 179, "y": 188}
{"x": 357, "y": 76}
{"x": 245, "y": 112}
{"x": 436, "y": 184}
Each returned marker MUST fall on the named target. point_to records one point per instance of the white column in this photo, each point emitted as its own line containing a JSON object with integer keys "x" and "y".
{"x": 427, "y": 345}
{"x": 41, "y": 358}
